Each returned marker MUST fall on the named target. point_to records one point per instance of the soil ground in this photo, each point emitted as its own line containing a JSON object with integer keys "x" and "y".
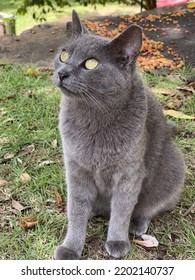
{"x": 172, "y": 26}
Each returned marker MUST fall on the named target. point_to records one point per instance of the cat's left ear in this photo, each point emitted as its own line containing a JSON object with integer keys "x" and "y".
{"x": 126, "y": 47}
{"x": 78, "y": 27}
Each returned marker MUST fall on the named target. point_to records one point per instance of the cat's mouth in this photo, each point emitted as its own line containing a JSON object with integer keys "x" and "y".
{"x": 65, "y": 89}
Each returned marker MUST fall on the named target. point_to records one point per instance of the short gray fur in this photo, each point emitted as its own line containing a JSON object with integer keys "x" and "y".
{"x": 119, "y": 155}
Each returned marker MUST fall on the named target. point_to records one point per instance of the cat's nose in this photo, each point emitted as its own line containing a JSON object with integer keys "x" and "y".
{"x": 63, "y": 74}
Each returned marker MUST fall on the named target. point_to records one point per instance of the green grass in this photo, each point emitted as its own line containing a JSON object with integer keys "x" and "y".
{"x": 29, "y": 109}
{"x": 24, "y": 22}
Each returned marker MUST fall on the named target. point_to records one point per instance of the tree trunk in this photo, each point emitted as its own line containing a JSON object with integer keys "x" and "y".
{"x": 150, "y": 4}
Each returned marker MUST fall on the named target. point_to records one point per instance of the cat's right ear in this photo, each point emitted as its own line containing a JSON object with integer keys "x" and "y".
{"x": 77, "y": 26}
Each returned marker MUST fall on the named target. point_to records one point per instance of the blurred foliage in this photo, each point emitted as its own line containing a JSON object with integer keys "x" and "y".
{"x": 45, "y": 6}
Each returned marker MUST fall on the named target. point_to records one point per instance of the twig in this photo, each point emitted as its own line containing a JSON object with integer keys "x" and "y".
{"x": 189, "y": 210}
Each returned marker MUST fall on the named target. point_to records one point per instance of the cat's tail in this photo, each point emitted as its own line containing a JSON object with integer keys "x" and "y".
{"x": 173, "y": 128}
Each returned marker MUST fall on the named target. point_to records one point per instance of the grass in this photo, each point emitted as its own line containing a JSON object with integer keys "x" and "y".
{"x": 29, "y": 108}
{"x": 24, "y": 22}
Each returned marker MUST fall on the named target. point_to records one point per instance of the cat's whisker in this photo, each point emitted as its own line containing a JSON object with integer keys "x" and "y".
{"x": 85, "y": 92}
{"x": 100, "y": 105}
{"x": 97, "y": 101}
{"x": 105, "y": 109}
{"x": 84, "y": 100}
{"x": 78, "y": 89}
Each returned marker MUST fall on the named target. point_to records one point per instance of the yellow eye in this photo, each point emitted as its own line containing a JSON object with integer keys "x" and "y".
{"x": 91, "y": 63}
{"x": 64, "y": 56}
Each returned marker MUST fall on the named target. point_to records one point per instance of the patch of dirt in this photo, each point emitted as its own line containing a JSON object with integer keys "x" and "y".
{"x": 169, "y": 39}
{"x": 37, "y": 45}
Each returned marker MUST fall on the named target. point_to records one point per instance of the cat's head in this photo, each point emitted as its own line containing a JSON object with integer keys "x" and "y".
{"x": 93, "y": 66}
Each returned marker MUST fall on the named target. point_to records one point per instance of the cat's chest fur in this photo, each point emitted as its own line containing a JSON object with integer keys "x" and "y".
{"x": 93, "y": 144}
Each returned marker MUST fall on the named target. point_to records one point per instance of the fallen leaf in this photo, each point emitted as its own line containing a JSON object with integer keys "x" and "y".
{"x": 177, "y": 114}
{"x": 25, "y": 177}
{"x": 16, "y": 205}
{"x": 46, "y": 162}
{"x": 177, "y": 102}
{"x": 32, "y": 72}
{"x": 19, "y": 161}
{"x": 58, "y": 197}
{"x": 2, "y": 113}
{"x": 8, "y": 120}
{"x": 192, "y": 84}
{"x": 4, "y": 140}
{"x": 54, "y": 144}
{"x": 16, "y": 212}
{"x": 166, "y": 91}
{"x": 187, "y": 87}
{"x": 191, "y": 5}
{"x": 188, "y": 172}
{"x": 3, "y": 183}
{"x": 28, "y": 222}
{"x": 9, "y": 97}
{"x": 27, "y": 150}
{"x": 9, "y": 155}
{"x": 148, "y": 241}
{"x": 45, "y": 69}
{"x": 170, "y": 104}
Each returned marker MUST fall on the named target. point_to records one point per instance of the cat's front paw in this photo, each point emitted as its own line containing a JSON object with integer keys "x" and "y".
{"x": 117, "y": 249}
{"x": 63, "y": 253}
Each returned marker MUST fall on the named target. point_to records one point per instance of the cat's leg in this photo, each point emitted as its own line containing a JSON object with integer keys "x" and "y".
{"x": 124, "y": 198}
{"x": 161, "y": 191}
{"x": 81, "y": 195}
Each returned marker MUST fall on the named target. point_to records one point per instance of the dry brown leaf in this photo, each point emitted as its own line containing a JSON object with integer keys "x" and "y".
{"x": 25, "y": 177}
{"x": 28, "y": 222}
{"x": 177, "y": 114}
{"x": 3, "y": 183}
{"x": 192, "y": 84}
{"x": 187, "y": 88}
{"x": 58, "y": 197}
{"x": 16, "y": 212}
{"x": 177, "y": 102}
{"x": 17, "y": 205}
{"x": 27, "y": 150}
{"x": 166, "y": 91}
{"x": 9, "y": 155}
{"x": 45, "y": 69}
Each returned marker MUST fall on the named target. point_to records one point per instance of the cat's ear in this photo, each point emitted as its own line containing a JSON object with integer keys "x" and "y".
{"x": 126, "y": 47}
{"x": 77, "y": 26}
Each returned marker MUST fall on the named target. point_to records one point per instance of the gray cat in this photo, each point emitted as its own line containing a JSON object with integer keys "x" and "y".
{"x": 119, "y": 155}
